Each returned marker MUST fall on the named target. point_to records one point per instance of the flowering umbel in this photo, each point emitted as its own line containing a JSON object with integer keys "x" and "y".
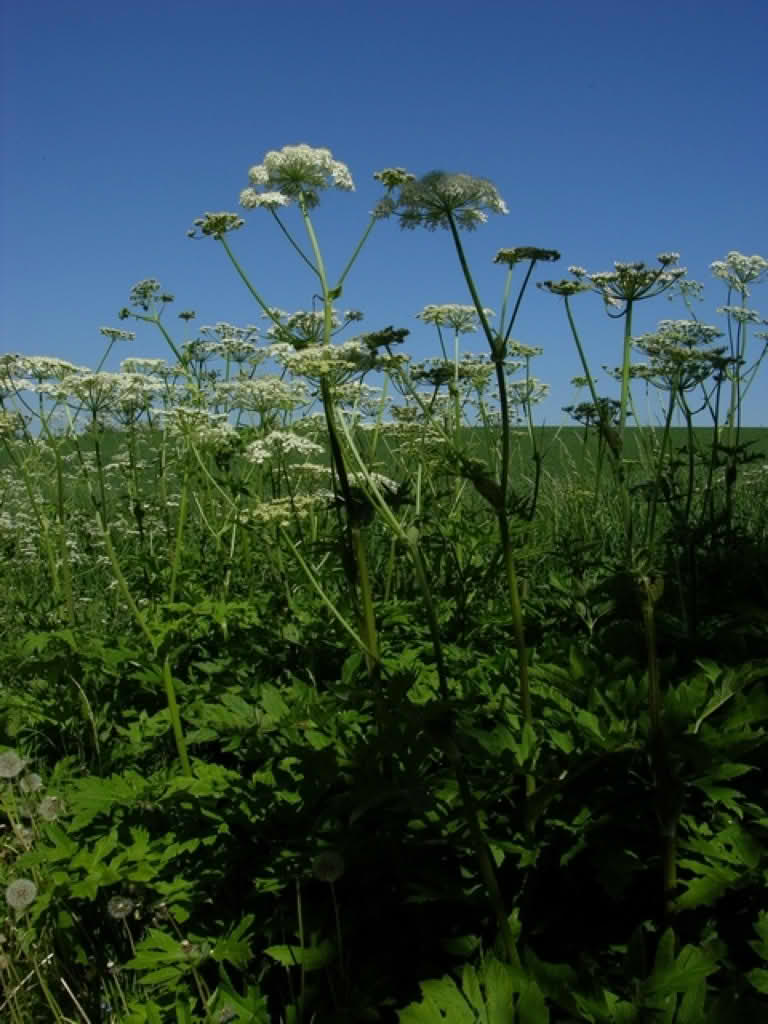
{"x": 629, "y": 282}
{"x": 215, "y": 225}
{"x": 438, "y": 198}
{"x": 294, "y": 172}
{"x": 526, "y": 252}
{"x": 738, "y": 270}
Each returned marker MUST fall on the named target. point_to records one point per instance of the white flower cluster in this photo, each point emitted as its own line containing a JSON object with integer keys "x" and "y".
{"x": 437, "y": 199}
{"x": 742, "y": 315}
{"x": 39, "y": 368}
{"x": 629, "y": 282}
{"x": 261, "y": 394}
{"x": 198, "y": 425}
{"x": 463, "y": 319}
{"x": 284, "y": 511}
{"x": 294, "y": 172}
{"x": 316, "y": 361}
{"x": 677, "y": 354}
{"x": 738, "y": 270}
{"x": 278, "y": 444}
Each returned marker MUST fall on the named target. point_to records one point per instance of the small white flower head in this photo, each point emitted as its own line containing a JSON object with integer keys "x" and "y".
{"x": 295, "y": 172}
{"x": 627, "y": 282}
{"x": 11, "y": 765}
{"x": 115, "y": 334}
{"x": 741, "y": 314}
{"x": 463, "y": 319}
{"x": 392, "y": 177}
{"x": 21, "y": 894}
{"x": 215, "y": 225}
{"x": 251, "y": 199}
{"x": 120, "y": 907}
{"x": 146, "y": 365}
{"x": 146, "y": 293}
{"x": 439, "y": 199}
{"x": 565, "y": 288}
{"x": 738, "y": 270}
{"x": 278, "y": 444}
{"x": 677, "y": 353}
{"x": 50, "y": 808}
{"x": 526, "y": 252}
{"x": 328, "y": 866}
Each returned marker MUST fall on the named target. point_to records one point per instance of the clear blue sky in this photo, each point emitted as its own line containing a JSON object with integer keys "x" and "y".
{"x": 612, "y": 130}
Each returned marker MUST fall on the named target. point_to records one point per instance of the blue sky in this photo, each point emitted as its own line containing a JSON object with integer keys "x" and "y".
{"x": 613, "y": 132}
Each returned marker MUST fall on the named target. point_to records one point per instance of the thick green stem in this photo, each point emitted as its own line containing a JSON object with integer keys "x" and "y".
{"x": 668, "y": 789}
{"x": 625, "y": 364}
{"x": 173, "y": 711}
{"x": 497, "y": 352}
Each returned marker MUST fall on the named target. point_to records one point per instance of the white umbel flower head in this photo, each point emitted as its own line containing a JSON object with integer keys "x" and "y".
{"x": 438, "y": 199}
{"x": 738, "y": 270}
{"x": 295, "y": 172}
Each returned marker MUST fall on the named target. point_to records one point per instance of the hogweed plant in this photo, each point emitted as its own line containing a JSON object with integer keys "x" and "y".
{"x": 682, "y": 359}
{"x": 452, "y": 202}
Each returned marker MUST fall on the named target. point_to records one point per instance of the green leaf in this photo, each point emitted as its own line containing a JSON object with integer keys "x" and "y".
{"x": 311, "y": 958}
{"x": 183, "y": 1011}
{"x": 589, "y": 722}
{"x": 501, "y": 984}
{"x": 160, "y": 976}
{"x": 702, "y": 892}
{"x": 532, "y": 1006}
{"x": 683, "y": 974}
{"x": 578, "y": 663}
{"x": 273, "y": 702}
{"x": 441, "y": 1002}
{"x": 235, "y": 947}
{"x": 758, "y": 979}
{"x": 761, "y": 927}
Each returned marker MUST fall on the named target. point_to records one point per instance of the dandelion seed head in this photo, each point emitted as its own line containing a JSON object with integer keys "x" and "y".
{"x": 328, "y": 866}
{"x": 21, "y": 893}
{"x": 120, "y": 907}
{"x": 11, "y": 765}
{"x": 50, "y": 808}
{"x": 30, "y": 783}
